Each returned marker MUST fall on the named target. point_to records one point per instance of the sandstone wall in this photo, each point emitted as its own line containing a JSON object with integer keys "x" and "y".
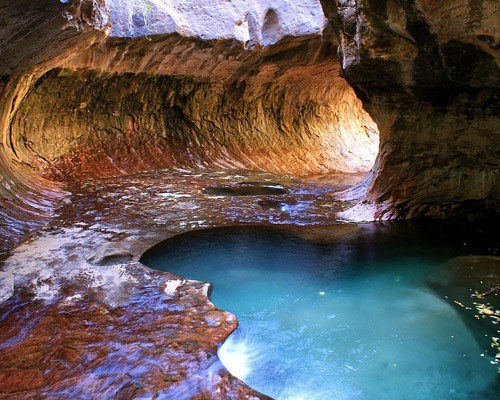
{"x": 427, "y": 71}
{"x": 77, "y": 103}
{"x": 33, "y": 37}
{"x": 283, "y": 110}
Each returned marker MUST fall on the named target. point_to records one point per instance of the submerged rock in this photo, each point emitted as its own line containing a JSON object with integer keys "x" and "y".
{"x": 271, "y": 204}
{"x": 245, "y": 190}
{"x": 461, "y": 281}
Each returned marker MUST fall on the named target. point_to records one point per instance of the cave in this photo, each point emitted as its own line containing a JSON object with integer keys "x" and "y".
{"x": 341, "y": 130}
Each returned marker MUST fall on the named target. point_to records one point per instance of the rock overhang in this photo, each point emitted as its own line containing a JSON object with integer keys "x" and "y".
{"x": 264, "y": 22}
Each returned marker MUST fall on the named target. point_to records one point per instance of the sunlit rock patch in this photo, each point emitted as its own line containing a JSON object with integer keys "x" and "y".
{"x": 250, "y": 22}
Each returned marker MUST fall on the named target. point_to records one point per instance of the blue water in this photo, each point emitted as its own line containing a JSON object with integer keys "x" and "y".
{"x": 349, "y": 318}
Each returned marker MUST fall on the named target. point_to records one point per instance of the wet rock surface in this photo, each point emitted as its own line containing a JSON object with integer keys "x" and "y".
{"x": 145, "y": 341}
{"x": 189, "y": 103}
{"x": 247, "y": 189}
{"x": 78, "y": 319}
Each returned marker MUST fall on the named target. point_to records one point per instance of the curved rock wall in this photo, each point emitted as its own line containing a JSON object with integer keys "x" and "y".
{"x": 33, "y": 36}
{"x": 275, "y": 113}
{"x": 76, "y": 103}
{"x": 428, "y": 72}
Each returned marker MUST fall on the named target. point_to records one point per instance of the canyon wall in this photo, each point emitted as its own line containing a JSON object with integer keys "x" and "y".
{"x": 428, "y": 73}
{"x": 77, "y": 103}
{"x": 194, "y": 105}
{"x": 33, "y": 36}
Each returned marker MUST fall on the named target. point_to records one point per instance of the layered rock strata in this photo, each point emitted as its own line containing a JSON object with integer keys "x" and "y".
{"x": 195, "y": 105}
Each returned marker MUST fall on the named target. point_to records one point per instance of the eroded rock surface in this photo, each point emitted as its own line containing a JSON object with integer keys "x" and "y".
{"x": 428, "y": 72}
{"x": 79, "y": 320}
{"x": 266, "y": 110}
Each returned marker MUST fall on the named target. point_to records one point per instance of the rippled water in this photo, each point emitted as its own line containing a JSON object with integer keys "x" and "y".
{"x": 349, "y": 318}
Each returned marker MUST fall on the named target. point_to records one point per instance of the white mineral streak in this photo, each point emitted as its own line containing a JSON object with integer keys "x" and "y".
{"x": 206, "y": 289}
{"x": 248, "y": 21}
{"x": 172, "y": 286}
